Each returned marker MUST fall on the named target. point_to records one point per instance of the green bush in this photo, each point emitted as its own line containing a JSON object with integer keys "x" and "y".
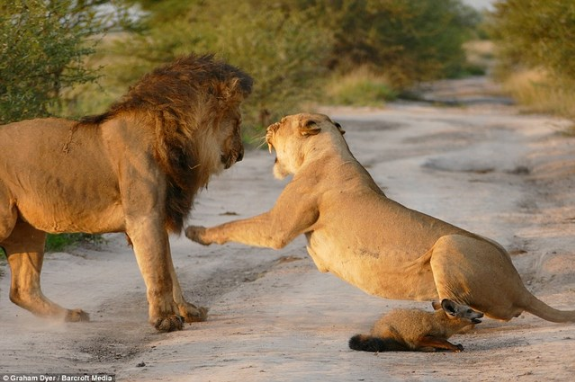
{"x": 535, "y": 46}
{"x": 285, "y": 54}
{"x": 43, "y": 45}
{"x": 409, "y": 41}
{"x": 40, "y": 56}
{"x": 535, "y": 34}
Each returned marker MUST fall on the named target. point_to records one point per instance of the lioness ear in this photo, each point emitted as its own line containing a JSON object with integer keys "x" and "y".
{"x": 310, "y": 127}
{"x": 270, "y": 131}
{"x": 341, "y": 130}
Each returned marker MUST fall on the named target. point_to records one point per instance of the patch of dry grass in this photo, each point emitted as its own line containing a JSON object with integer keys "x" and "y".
{"x": 360, "y": 87}
{"x": 479, "y": 54}
{"x": 538, "y": 92}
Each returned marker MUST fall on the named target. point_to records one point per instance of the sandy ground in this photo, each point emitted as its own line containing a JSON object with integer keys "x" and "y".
{"x": 274, "y": 317}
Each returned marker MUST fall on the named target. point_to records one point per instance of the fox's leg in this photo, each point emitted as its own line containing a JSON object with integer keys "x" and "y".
{"x": 430, "y": 343}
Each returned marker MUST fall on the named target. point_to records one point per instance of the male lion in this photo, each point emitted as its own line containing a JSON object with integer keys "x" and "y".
{"x": 370, "y": 241}
{"x": 133, "y": 169}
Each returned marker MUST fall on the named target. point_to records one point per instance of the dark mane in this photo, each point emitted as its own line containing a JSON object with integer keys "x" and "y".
{"x": 171, "y": 87}
{"x": 177, "y": 100}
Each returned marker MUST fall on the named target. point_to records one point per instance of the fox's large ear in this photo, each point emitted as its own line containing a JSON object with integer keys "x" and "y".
{"x": 341, "y": 130}
{"x": 309, "y": 127}
{"x": 449, "y": 307}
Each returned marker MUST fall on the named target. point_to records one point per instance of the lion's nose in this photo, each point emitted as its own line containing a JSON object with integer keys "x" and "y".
{"x": 240, "y": 156}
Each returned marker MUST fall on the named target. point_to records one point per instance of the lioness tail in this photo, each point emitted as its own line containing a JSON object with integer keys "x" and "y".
{"x": 374, "y": 344}
{"x": 541, "y": 309}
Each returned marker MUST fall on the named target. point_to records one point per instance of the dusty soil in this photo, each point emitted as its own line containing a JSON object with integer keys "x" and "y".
{"x": 274, "y": 317}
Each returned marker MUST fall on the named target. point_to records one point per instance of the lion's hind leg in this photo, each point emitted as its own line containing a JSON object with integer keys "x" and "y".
{"x": 25, "y": 251}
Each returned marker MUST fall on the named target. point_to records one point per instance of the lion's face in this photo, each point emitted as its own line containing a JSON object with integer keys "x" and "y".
{"x": 289, "y": 137}
{"x": 230, "y": 139}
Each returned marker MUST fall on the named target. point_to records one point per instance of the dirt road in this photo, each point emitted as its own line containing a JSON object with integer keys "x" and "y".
{"x": 274, "y": 317}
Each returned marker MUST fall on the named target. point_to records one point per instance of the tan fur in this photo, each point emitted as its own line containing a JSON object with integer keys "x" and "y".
{"x": 418, "y": 330}
{"x": 133, "y": 169}
{"x": 354, "y": 231}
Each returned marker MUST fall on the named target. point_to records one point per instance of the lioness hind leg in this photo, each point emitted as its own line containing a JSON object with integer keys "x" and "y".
{"x": 476, "y": 273}
{"x": 25, "y": 250}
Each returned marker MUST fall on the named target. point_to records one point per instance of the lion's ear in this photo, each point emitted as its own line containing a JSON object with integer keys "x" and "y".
{"x": 310, "y": 127}
{"x": 339, "y": 128}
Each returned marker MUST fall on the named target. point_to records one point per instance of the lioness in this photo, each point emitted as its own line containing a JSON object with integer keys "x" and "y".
{"x": 133, "y": 169}
{"x": 354, "y": 231}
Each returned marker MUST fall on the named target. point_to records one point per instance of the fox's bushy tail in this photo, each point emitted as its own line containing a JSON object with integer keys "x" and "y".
{"x": 375, "y": 344}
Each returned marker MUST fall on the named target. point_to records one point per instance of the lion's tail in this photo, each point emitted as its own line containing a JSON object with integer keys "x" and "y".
{"x": 375, "y": 344}
{"x": 541, "y": 309}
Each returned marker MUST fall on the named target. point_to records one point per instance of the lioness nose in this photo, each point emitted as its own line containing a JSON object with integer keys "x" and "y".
{"x": 240, "y": 156}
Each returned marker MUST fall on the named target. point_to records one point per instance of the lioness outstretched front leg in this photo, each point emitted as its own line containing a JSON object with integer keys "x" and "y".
{"x": 273, "y": 229}
{"x": 25, "y": 250}
{"x": 257, "y": 231}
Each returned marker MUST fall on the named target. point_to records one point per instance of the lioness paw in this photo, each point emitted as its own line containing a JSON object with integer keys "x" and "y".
{"x": 197, "y": 234}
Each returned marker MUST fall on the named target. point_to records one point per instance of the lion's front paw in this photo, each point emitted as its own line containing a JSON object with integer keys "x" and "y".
{"x": 76, "y": 315}
{"x": 169, "y": 324}
{"x": 191, "y": 313}
{"x": 197, "y": 234}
